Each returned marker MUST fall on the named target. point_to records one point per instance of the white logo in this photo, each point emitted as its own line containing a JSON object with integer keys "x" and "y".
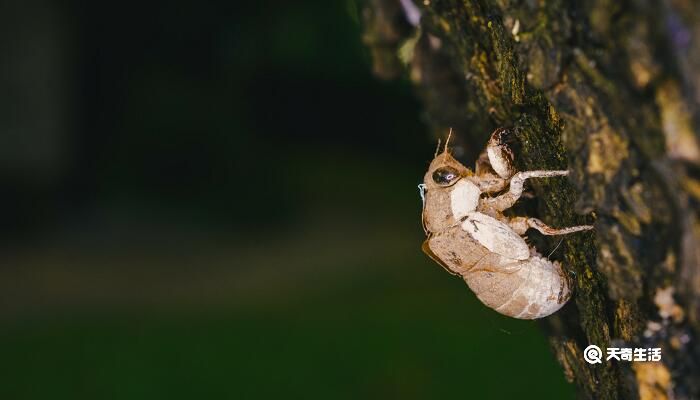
{"x": 592, "y": 354}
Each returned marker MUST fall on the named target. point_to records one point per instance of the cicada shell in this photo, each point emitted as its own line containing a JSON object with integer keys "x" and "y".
{"x": 469, "y": 236}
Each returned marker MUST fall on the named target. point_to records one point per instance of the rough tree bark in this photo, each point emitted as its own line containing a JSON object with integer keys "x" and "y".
{"x": 609, "y": 89}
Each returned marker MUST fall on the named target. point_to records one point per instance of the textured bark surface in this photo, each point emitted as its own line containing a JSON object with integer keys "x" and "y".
{"x": 611, "y": 91}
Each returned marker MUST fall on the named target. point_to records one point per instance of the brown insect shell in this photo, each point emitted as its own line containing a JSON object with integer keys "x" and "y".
{"x": 528, "y": 287}
{"x": 437, "y": 211}
{"x": 458, "y": 205}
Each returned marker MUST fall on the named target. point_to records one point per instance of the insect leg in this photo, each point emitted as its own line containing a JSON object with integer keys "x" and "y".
{"x": 491, "y": 184}
{"x": 522, "y": 224}
{"x": 517, "y": 183}
{"x": 519, "y": 225}
{"x": 486, "y": 177}
{"x": 548, "y": 230}
{"x": 483, "y": 165}
{"x": 500, "y": 153}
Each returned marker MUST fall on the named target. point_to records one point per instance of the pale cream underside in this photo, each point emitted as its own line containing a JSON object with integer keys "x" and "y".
{"x": 541, "y": 286}
{"x": 498, "y": 162}
{"x": 496, "y": 236}
{"x": 464, "y": 198}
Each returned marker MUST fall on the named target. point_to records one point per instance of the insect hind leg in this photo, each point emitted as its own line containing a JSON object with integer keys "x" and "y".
{"x": 550, "y": 231}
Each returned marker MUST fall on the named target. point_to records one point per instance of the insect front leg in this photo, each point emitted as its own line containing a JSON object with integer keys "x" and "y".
{"x": 521, "y": 224}
{"x": 491, "y": 183}
{"x": 499, "y": 152}
{"x": 483, "y": 164}
{"x": 517, "y": 183}
{"x": 486, "y": 178}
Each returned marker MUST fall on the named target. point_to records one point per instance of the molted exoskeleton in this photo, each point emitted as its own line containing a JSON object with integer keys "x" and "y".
{"x": 469, "y": 235}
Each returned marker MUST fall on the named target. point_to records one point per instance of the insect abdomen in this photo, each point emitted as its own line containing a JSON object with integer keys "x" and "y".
{"x": 525, "y": 289}
{"x": 529, "y": 289}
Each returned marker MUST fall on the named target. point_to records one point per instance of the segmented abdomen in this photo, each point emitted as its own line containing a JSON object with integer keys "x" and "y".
{"x": 527, "y": 289}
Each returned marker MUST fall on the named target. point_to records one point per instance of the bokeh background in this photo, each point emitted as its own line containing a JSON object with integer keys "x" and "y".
{"x": 217, "y": 200}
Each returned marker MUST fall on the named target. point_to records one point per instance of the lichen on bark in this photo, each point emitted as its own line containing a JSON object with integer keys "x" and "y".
{"x": 605, "y": 89}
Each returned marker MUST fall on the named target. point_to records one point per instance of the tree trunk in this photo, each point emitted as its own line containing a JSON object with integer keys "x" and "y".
{"x": 610, "y": 90}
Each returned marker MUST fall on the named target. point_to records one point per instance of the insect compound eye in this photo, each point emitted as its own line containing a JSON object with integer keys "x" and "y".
{"x": 445, "y": 176}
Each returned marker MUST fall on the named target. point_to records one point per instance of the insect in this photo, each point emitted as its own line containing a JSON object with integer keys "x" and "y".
{"x": 469, "y": 236}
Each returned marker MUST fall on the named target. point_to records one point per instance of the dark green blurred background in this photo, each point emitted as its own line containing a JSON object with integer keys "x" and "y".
{"x": 217, "y": 200}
